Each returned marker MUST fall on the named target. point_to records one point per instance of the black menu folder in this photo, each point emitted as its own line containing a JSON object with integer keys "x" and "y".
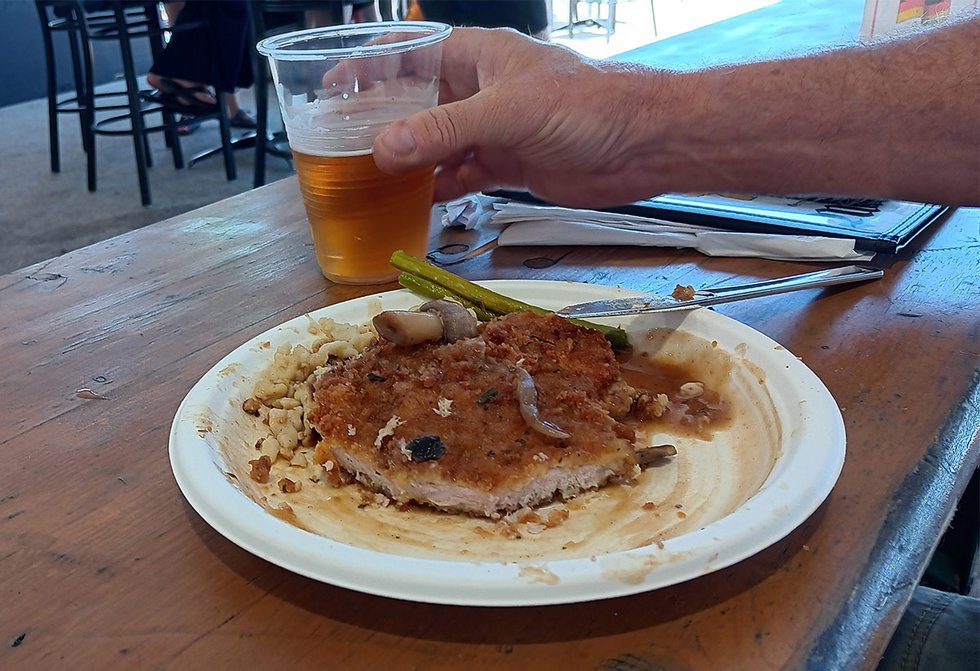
{"x": 874, "y": 225}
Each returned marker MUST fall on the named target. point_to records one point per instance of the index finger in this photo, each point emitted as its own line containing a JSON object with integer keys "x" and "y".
{"x": 472, "y": 58}
{"x": 361, "y": 66}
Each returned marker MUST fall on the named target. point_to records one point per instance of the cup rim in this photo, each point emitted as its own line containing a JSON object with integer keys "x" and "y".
{"x": 430, "y": 33}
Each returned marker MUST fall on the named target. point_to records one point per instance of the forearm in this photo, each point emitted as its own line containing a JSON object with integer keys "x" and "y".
{"x": 900, "y": 120}
{"x": 895, "y": 121}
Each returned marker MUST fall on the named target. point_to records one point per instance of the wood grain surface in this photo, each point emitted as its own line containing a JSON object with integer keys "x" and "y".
{"x": 104, "y": 565}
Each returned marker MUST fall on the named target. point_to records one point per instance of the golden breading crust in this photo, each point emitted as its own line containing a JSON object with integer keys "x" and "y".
{"x": 473, "y": 451}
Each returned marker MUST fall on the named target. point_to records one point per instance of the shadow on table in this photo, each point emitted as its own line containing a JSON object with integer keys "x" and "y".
{"x": 504, "y": 626}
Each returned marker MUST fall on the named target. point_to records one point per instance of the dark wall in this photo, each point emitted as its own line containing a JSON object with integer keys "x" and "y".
{"x": 22, "y": 56}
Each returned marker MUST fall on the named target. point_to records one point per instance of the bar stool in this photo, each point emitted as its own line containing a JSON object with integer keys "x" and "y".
{"x": 62, "y": 17}
{"x": 116, "y": 21}
{"x": 100, "y": 112}
{"x": 141, "y": 21}
{"x": 129, "y": 22}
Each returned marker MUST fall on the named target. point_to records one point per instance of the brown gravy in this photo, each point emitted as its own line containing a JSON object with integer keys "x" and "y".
{"x": 699, "y": 416}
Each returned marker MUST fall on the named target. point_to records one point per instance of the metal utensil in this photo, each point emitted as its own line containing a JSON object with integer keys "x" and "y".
{"x": 704, "y": 297}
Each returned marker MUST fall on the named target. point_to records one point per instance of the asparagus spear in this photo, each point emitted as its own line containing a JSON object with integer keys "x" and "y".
{"x": 481, "y": 298}
{"x": 424, "y": 287}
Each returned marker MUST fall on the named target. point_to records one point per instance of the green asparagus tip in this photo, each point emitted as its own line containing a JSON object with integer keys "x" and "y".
{"x": 429, "y": 280}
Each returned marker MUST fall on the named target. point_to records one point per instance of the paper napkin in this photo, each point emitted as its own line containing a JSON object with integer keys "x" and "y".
{"x": 526, "y": 224}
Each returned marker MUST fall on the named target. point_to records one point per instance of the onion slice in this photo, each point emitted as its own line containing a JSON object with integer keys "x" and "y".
{"x": 527, "y": 399}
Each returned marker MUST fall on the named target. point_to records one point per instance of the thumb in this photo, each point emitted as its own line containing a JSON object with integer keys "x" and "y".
{"x": 431, "y": 136}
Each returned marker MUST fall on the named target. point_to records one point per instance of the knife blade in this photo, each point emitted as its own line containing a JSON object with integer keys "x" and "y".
{"x": 617, "y": 307}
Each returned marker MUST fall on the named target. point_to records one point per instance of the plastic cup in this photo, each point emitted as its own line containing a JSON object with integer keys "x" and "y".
{"x": 337, "y": 88}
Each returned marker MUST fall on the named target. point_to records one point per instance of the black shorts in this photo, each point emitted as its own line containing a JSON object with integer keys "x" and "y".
{"x": 527, "y": 16}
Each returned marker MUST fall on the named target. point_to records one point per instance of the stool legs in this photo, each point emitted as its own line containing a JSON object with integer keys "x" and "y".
{"x": 49, "y": 71}
{"x": 173, "y": 139}
{"x": 227, "y": 149}
{"x": 85, "y": 83}
{"x": 257, "y": 27}
{"x": 53, "y": 144}
{"x": 140, "y": 143}
{"x": 85, "y": 104}
{"x": 261, "y": 126}
{"x": 146, "y": 140}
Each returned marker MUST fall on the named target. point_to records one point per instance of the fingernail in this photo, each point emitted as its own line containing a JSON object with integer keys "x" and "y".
{"x": 398, "y": 139}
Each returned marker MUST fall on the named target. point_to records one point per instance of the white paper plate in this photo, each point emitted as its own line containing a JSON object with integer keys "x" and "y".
{"x": 728, "y": 518}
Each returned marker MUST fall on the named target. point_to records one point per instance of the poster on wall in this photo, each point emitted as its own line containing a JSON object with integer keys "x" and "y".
{"x": 883, "y": 17}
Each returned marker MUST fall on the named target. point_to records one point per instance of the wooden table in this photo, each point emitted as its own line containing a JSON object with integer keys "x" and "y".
{"x": 104, "y": 565}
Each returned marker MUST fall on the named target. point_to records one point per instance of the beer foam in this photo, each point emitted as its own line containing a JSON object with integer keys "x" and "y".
{"x": 346, "y": 123}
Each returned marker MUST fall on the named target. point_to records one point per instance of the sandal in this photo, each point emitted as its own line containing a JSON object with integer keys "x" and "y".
{"x": 182, "y": 99}
{"x": 242, "y": 120}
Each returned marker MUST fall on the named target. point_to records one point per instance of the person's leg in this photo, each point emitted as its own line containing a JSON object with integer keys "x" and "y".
{"x": 939, "y": 631}
{"x": 231, "y": 103}
{"x": 208, "y": 47}
{"x": 182, "y": 59}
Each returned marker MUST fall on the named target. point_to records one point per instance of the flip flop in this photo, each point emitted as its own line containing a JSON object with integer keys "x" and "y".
{"x": 187, "y": 95}
{"x": 176, "y": 104}
{"x": 182, "y": 99}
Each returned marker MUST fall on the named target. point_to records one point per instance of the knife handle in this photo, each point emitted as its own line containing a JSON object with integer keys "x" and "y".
{"x": 820, "y": 278}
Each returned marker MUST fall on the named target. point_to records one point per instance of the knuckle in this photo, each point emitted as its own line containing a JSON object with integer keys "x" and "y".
{"x": 442, "y": 125}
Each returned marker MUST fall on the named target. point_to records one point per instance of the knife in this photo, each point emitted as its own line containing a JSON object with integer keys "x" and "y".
{"x": 704, "y": 297}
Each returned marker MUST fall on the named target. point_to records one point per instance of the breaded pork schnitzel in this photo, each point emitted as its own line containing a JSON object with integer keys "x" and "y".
{"x": 526, "y": 410}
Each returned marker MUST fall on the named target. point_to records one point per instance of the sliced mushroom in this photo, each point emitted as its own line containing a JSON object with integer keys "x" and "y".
{"x": 647, "y": 455}
{"x": 457, "y": 322}
{"x": 407, "y": 327}
{"x": 527, "y": 399}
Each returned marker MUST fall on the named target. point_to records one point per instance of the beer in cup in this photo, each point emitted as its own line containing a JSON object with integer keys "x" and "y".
{"x": 337, "y": 88}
